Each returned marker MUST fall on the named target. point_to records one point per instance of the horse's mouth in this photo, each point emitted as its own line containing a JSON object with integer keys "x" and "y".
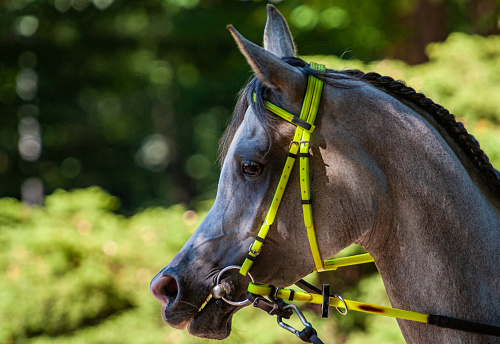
{"x": 195, "y": 308}
{"x": 212, "y": 320}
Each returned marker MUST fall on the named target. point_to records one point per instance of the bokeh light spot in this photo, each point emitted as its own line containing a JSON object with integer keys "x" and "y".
{"x": 334, "y": 18}
{"x": 304, "y": 17}
{"x": 27, "y": 25}
{"x": 71, "y": 167}
{"x": 32, "y": 191}
{"x": 148, "y": 236}
{"x": 84, "y": 227}
{"x": 80, "y": 5}
{"x": 109, "y": 108}
{"x": 62, "y": 5}
{"x": 154, "y": 153}
{"x": 27, "y": 84}
{"x": 135, "y": 22}
{"x": 110, "y": 248}
{"x": 161, "y": 72}
{"x": 30, "y": 142}
{"x": 190, "y": 217}
{"x": 30, "y": 148}
{"x": 102, "y": 4}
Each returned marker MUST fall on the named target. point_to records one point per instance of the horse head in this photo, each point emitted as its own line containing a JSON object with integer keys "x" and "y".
{"x": 384, "y": 168}
{"x": 254, "y": 150}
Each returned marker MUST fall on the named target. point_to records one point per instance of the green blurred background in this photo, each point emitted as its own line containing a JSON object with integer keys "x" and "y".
{"x": 110, "y": 115}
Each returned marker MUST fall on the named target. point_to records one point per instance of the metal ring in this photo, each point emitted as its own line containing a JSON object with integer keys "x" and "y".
{"x": 345, "y": 305}
{"x": 234, "y": 303}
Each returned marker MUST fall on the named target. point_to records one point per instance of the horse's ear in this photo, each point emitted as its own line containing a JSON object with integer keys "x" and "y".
{"x": 271, "y": 70}
{"x": 277, "y": 36}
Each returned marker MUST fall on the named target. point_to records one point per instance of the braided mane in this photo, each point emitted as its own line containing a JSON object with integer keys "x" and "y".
{"x": 455, "y": 129}
{"x": 467, "y": 142}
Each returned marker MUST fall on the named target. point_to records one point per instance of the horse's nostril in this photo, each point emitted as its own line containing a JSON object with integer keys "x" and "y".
{"x": 165, "y": 288}
{"x": 170, "y": 288}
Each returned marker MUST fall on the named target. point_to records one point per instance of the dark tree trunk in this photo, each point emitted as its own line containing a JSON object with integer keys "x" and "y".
{"x": 425, "y": 23}
{"x": 484, "y": 17}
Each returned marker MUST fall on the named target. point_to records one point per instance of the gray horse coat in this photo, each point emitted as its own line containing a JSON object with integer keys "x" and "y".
{"x": 390, "y": 171}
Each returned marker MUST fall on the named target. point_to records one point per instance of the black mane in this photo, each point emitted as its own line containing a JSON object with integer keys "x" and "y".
{"x": 469, "y": 145}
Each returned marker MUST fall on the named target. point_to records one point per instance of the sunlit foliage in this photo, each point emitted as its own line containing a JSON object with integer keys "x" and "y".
{"x": 75, "y": 272}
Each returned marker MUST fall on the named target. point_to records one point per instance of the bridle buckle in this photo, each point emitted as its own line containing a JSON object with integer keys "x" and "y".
{"x": 293, "y": 143}
{"x": 255, "y": 253}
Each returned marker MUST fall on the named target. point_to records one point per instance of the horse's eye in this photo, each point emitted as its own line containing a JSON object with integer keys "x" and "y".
{"x": 251, "y": 168}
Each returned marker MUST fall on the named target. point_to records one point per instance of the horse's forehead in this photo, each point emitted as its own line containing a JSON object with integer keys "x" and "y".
{"x": 251, "y": 133}
{"x": 251, "y": 124}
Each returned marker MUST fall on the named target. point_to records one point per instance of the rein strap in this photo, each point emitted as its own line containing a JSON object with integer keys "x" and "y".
{"x": 284, "y": 293}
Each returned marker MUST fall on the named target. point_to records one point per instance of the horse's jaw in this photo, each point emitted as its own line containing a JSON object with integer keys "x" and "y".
{"x": 213, "y": 321}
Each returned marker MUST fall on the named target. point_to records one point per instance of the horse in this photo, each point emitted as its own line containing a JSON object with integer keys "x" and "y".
{"x": 390, "y": 170}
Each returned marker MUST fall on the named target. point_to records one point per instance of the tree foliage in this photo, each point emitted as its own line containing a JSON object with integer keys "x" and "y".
{"x": 75, "y": 272}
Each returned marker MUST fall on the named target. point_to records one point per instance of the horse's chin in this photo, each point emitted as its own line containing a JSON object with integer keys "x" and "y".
{"x": 213, "y": 321}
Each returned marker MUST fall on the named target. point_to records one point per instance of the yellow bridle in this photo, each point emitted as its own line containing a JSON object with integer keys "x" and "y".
{"x": 299, "y": 146}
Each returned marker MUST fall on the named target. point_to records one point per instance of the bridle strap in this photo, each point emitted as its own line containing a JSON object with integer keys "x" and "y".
{"x": 312, "y": 295}
{"x": 313, "y": 98}
{"x": 287, "y": 116}
{"x": 300, "y": 145}
{"x": 284, "y": 293}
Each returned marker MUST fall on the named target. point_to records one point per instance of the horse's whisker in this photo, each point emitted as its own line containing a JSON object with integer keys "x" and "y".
{"x": 188, "y": 303}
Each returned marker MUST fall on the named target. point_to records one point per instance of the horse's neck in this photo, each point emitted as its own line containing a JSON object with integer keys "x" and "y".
{"x": 441, "y": 254}
{"x": 440, "y": 264}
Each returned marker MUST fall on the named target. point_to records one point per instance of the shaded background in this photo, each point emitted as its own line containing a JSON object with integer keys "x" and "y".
{"x": 134, "y": 95}
{"x": 110, "y": 115}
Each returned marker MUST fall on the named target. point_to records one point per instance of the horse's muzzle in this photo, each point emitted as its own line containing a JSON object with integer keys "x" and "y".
{"x": 203, "y": 315}
{"x": 166, "y": 289}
